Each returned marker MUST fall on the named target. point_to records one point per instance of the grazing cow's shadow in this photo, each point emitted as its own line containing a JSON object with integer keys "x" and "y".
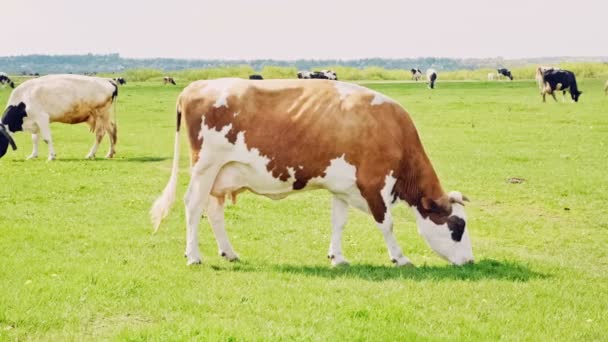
{"x": 98, "y": 160}
{"x": 484, "y": 269}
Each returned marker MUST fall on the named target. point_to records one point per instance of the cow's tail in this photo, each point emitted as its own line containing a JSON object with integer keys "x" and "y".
{"x": 113, "y": 120}
{"x": 162, "y": 205}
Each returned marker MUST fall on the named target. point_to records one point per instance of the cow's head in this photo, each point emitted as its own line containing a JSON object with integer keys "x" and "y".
{"x": 575, "y": 95}
{"x": 442, "y": 222}
{"x": 5, "y": 140}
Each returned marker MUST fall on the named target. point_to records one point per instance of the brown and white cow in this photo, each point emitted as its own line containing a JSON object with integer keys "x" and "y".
{"x": 278, "y": 137}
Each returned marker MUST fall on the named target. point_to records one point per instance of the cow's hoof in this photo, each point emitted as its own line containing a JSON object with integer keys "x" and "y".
{"x": 337, "y": 260}
{"x": 51, "y": 157}
{"x": 230, "y": 256}
{"x": 32, "y": 156}
{"x": 194, "y": 261}
{"x": 402, "y": 262}
{"x": 110, "y": 155}
{"x": 90, "y": 156}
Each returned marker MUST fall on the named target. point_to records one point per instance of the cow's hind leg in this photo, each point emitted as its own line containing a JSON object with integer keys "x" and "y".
{"x": 215, "y": 214}
{"x": 99, "y": 133}
{"x": 339, "y": 214}
{"x": 112, "y": 130}
{"x": 197, "y": 197}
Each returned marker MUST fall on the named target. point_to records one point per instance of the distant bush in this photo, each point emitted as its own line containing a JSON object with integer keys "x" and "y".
{"x": 139, "y": 75}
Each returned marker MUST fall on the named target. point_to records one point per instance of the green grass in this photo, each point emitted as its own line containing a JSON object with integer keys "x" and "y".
{"x": 78, "y": 260}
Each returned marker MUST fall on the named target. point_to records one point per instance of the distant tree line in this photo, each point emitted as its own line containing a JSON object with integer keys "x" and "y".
{"x": 114, "y": 63}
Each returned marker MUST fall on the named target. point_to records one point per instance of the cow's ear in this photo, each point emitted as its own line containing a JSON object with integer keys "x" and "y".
{"x": 439, "y": 206}
{"x": 457, "y": 197}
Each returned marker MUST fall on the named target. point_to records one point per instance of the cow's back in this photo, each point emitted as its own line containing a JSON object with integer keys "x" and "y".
{"x": 302, "y": 126}
{"x": 58, "y": 95}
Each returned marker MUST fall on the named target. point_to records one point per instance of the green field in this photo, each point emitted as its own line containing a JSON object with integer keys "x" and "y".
{"x": 78, "y": 260}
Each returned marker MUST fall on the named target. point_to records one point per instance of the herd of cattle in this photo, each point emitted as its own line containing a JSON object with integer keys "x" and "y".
{"x": 271, "y": 138}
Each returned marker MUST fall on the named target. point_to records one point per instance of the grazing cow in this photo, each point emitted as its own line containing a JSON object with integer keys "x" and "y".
{"x": 72, "y": 99}
{"x": 559, "y": 80}
{"x": 304, "y": 74}
{"x": 4, "y": 80}
{"x": 416, "y": 74}
{"x": 330, "y": 75}
{"x": 256, "y": 77}
{"x": 120, "y": 80}
{"x": 431, "y": 77}
{"x": 325, "y": 75}
{"x": 505, "y": 72}
{"x": 168, "y": 79}
{"x": 278, "y": 137}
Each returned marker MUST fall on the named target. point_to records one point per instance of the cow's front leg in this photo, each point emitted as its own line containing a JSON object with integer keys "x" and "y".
{"x": 215, "y": 214}
{"x": 394, "y": 250}
{"x": 35, "y": 140}
{"x": 339, "y": 215}
{"x": 45, "y": 132}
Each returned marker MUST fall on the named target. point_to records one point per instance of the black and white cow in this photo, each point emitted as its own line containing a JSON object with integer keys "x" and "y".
{"x": 71, "y": 99}
{"x": 4, "y": 80}
{"x": 256, "y": 77}
{"x": 431, "y": 77}
{"x": 416, "y": 74}
{"x": 325, "y": 75}
{"x": 120, "y": 80}
{"x": 559, "y": 80}
{"x": 505, "y": 72}
{"x": 168, "y": 79}
{"x": 304, "y": 74}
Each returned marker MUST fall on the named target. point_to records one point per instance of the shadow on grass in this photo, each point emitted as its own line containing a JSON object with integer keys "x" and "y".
{"x": 484, "y": 269}
{"x": 100, "y": 160}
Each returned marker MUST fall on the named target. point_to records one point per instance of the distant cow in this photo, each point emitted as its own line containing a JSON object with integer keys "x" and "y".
{"x": 71, "y": 99}
{"x": 325, "y": 74}
{"x": 491, "y": 76}
{"x": 330, "y": 74}
{"x": 168, "y": 79}
{"x": 256, "y": 77}
{"x": 4, "y": 80}
{"x": 257, "y": 136}
{"x": 559, "y": 80}
{"x": 505, "y": 72}
{"x": 416, "y": 74}
{"x": 120, "y": 80}
{"x": 304, "y": 74}
{"x": 431, "y": 77}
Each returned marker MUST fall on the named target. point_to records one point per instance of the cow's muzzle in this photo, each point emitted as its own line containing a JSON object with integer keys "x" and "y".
{"x": 5, "y": 133}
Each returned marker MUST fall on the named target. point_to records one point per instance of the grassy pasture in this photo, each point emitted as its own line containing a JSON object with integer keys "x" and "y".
{"x": 78, "y": 260}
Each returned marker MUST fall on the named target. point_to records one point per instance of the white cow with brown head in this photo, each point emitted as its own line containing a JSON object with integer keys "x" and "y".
{"x": 278, "y": 137}
{"x": 71, "y": 99}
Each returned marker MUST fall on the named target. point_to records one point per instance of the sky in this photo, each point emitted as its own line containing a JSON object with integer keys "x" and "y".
{"x": 311, "y": 29}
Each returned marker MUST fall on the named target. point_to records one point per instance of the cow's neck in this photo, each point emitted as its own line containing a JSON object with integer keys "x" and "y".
{"x": 418, "y": 179}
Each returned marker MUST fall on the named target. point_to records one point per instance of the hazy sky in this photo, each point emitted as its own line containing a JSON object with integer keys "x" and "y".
{"x": 236, "y": 29}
